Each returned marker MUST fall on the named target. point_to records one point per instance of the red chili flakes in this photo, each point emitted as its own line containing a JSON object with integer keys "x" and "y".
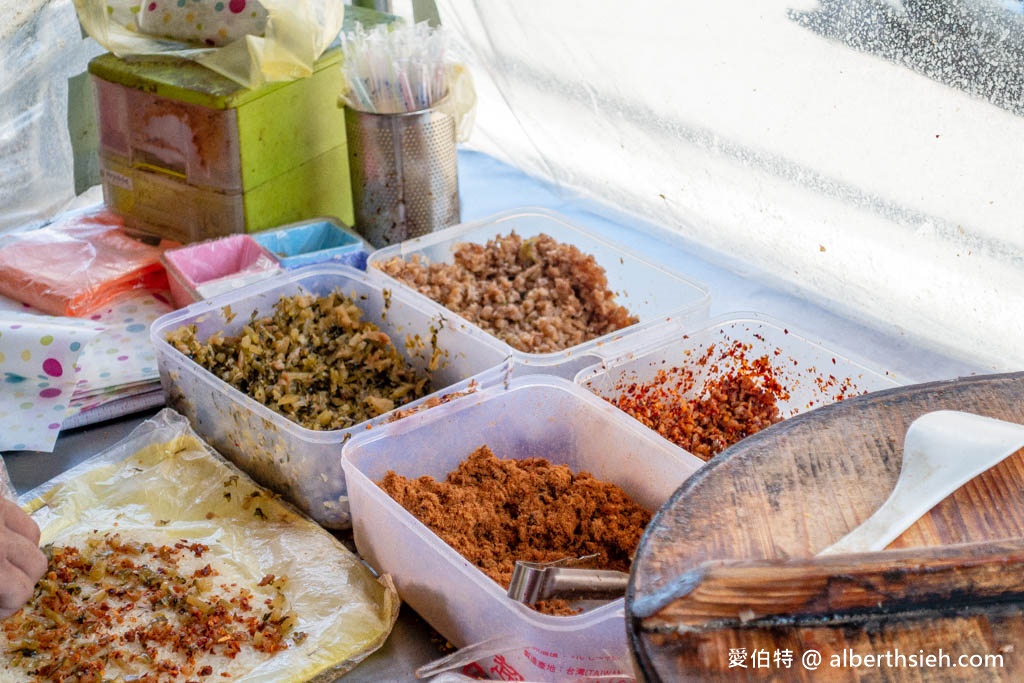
{"x": 724, "y": 393}
{"x": 85, "y": 615}
{"x": 739, "y": 398}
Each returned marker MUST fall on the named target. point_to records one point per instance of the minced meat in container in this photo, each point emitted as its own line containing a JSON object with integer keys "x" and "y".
{"x": 651, "y": 292}
{"x": 302, "y": 463}
{"x": 533, "y": 416}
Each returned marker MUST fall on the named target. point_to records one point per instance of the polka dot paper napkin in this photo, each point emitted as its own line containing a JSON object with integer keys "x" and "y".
{"x": 122, "y": 355}
{"x": 119, "y": 364}
{"x": 208, "y": 22}
{"x": 61, "y": 370}
{"x": 37, "y": 367}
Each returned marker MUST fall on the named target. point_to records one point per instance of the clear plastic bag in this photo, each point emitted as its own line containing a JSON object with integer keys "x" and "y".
{"x": 251, "y": 42}
{"x": 42, "y": 48}
{"x": 78, "y": 263}
{"x": 6, "y": 486}
{"x": 161, "y": 484}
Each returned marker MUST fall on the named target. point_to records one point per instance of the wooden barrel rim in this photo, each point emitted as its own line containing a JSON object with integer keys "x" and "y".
{"x": 803, "y": 457}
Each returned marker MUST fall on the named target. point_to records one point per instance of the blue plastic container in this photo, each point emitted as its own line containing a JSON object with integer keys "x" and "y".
{"x": 314, "y": 241}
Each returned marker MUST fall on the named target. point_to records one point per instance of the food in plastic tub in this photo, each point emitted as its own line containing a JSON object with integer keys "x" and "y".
{"x": 536, "y": 294}
{"x": 629, "y": 292}
{"x": 533, "y": 415}
{"x": 175, "y": 565}
{"x": 300, "y": 463}
{"x": 707, "y": 388}
{"x": 529, "y": 510}
{"x": 314, "y": 241}
{"x": 314, "y": 360}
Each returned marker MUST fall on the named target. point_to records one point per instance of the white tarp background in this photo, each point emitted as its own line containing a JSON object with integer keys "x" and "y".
{"x": 865, "y": 153}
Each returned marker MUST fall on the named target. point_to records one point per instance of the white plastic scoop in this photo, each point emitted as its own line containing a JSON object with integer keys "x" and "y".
{"x": 941, "y": 451}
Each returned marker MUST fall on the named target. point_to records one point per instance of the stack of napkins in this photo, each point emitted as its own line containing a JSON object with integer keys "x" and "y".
{"x": 62, "y": 372}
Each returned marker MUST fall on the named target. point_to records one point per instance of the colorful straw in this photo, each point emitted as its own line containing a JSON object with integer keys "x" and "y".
{"x": 392, "y": 69}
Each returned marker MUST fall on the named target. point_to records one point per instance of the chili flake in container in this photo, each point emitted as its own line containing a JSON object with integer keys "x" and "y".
{"x": 709, "y": 395}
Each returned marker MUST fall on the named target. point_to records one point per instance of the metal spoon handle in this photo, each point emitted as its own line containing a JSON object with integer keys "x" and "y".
{"x": 533, "y": 581}
{"x": 564, "y": 582}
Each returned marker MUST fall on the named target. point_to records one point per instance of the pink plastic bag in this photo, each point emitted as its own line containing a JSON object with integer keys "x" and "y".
{"x": 78, "y": 263}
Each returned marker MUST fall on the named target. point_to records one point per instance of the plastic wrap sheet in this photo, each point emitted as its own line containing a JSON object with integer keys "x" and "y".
{"x": 6, "y": 485}
{"x": 163, "y": 484}
{"x": 252, "y": 43}
{"x": 78, "y": 264}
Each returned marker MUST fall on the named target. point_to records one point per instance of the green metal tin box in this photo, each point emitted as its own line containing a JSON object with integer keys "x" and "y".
{"x": 189, "y": 154}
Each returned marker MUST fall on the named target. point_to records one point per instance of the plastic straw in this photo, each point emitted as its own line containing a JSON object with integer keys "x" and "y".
{"x": 392, "y": 69}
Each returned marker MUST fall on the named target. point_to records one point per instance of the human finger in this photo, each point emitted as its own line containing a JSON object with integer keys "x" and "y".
{"x": 18, "y": 521}
{"x": 17, "y": 586}
{"x": 27, "y": 558}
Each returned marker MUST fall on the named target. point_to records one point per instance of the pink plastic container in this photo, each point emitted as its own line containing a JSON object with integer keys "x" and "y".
{"x": 205, "y": 269}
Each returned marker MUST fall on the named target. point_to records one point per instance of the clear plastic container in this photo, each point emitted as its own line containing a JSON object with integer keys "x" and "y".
{"x": 315, "y": 241}
{"x": 536, "y": 415}
{"x": 302, "y": 464}
{"x": 810, "y": 373}
{"x": 649, "y": 290}
{"x": 205, "y": 269}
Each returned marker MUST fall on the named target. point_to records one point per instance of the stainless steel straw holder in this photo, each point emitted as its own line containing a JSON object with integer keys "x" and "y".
{"x": 404, "y": 173}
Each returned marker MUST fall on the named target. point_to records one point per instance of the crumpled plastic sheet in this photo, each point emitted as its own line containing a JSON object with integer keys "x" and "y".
{"x": 41, "y": 47}
{"x": 164, "y": 483}
{"x": 6, "y": 486}
{"x": 281, "y": 42}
